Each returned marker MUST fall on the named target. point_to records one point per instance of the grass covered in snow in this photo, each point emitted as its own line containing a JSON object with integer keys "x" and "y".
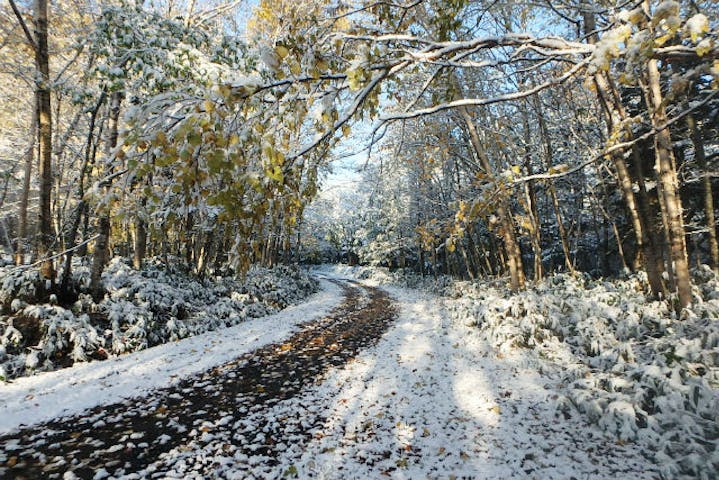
{"x": 155, "y": 305}
{"x": 631, "y": 366}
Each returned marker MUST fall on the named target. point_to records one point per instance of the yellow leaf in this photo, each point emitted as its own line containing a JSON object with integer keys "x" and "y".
{"x": 275, "y": 174}
{"x": 663, "y": 39}
{"x": 704, "y": 47}
{"x": 281, "y": 51}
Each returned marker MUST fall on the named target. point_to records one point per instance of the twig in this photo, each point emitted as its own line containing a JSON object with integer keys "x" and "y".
{"x": 619, "y": 146}
{"x": 46, "y": 259}
{"x": 29, "y": 36}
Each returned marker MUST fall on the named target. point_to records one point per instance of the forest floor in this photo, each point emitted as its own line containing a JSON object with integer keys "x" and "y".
{"x": 359, "y": 382}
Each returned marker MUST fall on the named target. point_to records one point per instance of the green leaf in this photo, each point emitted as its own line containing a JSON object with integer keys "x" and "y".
{"x": 194, "y": 139}
{"x": 164, "y": 161}
{"x": 216, "y": 161}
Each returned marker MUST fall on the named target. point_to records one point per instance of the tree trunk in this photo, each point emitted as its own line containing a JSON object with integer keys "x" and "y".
{"x": 611, "y": 102}
{"x": 102, "y": 245}
{"x": 511, "y": 245}
{"x": 700, "y": 155}
{"x": 640, "y": 223}
{"x": 665, "y": 167}
{"x": 140, "y": 244}
{"x": 530, "y": 196}
{"x": 70, "y": 242}
{"x": 44, "y": 116}
{"x": 25, "y": 194}
{"x": 617, "y": 237}
{"x": 548, "y": 161}
{"x": 81, "y": 209}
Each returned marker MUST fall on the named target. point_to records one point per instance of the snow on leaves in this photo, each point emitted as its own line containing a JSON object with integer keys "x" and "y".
{"x": 142, "y": 309}
{"x": 632, "y": 366}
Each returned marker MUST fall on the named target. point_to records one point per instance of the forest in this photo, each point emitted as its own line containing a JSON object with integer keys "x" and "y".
{"x": 173, "y": 168}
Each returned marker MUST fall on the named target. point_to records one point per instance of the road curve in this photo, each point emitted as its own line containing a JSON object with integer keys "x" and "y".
{"x": 125, "y": 438}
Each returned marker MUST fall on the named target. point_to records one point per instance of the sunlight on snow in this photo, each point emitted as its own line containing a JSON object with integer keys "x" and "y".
{"x": 473, "y": 394}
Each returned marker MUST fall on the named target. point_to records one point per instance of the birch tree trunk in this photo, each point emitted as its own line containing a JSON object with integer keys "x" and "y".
{"x": 666, "y": 170}
{"x": 44, "y": 116}
{"x": 610, "y": 101}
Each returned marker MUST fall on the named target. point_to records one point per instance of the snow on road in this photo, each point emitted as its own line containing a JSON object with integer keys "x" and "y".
{"x": 51, "y": 395}
{"x": 429, "y": 401}
{"x": 432, "y": 401}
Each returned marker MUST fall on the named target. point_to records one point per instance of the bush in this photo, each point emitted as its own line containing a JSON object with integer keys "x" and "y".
{"x": 630, "y": 365}
{"x": 143, "y": 308}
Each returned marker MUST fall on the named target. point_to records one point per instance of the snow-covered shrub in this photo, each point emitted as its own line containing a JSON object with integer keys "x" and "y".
{"x": 631, "y": 365}
{"x": 17, "y": 284}
{"x": 61, "y": 334}
{"x": 280, "y": 286}
{"x": 160, "y": 303}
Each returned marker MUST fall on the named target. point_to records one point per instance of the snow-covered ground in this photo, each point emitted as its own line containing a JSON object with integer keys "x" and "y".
{"x": 431, "y": 400}
{"x": 51, "y": 395}
{"x": 440, "y": 396}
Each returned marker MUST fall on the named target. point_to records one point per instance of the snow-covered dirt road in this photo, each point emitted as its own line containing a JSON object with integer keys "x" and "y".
{"x": 384, "y": 386}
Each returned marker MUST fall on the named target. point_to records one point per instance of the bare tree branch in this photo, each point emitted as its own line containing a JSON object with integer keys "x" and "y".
{"x": 466, "y": 102}
{"x": 618, "y": 147}
{"x": 30, "y": 38}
